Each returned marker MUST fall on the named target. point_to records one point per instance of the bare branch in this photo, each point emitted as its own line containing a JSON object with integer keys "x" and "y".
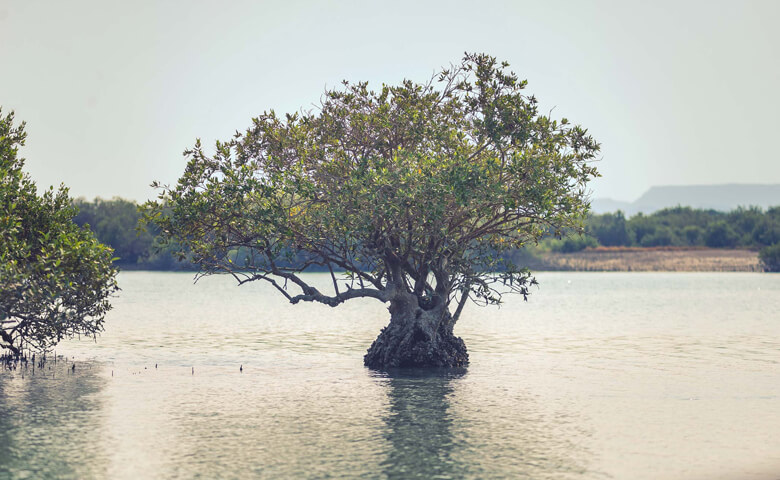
{"x": 311, "y": 294}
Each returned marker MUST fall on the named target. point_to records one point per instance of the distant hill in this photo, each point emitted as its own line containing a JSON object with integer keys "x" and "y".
{"x": 717, "y": 197}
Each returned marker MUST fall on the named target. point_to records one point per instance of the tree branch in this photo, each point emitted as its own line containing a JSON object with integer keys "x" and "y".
{"x": 311, "y": 294}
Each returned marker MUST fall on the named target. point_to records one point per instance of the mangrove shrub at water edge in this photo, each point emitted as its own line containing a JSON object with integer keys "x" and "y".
{"x": 55, "y": 278}
{"x": 770, "y": 258}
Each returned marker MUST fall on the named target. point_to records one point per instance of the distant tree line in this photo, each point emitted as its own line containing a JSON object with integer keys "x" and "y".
{"x": 115, "y": 223}
{"x": 688, "y": 227}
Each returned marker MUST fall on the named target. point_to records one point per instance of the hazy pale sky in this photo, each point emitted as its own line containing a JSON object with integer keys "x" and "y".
{"x": 113, "y": 91}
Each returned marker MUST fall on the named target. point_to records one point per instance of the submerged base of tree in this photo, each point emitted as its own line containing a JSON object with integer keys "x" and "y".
{"x": 417, "y": 338}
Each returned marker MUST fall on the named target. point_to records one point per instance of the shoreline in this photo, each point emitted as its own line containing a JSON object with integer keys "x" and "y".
{"x": 615, "y": 259}
{"x": 654, "y": 259}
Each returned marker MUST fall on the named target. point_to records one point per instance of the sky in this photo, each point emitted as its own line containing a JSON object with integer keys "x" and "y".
{"x": 677, "y": 93}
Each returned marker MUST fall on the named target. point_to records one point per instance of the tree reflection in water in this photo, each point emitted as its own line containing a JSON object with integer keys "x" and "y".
{"x": 420, "y": 424}
{"x": 444, "y": 424}
{"x": 49, "y": 421}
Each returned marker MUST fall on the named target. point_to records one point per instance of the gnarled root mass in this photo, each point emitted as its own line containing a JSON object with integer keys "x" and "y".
{"x": 417, "y": 339}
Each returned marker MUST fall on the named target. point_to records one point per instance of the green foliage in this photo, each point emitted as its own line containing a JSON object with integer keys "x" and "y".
{"x": 660, "y": 236}
{"x": 770, "y": 258}
{"x": 55, "y": 278}
{"x": 573, "y": 243}
{"x": 610, "y": 229}
{"x": 744, "y": 221}
{"x": 720, "y": 234}
{"x": 766, "y": 231}
{"x": 414, "y": 189}
{"x": 116, "y": 223}
{"x": 642, "y": 226}
{"x": 679, "y": 217}
{"x": 693, "y": 235}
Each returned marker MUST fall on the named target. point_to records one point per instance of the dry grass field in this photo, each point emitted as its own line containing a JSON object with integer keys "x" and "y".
{"x": 663, "y": 259}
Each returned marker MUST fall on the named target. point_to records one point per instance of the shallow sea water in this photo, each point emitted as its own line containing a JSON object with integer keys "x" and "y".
{"x": 598, "y": 375}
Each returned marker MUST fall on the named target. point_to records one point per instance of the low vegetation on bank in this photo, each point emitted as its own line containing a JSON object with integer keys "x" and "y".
{"x": 679, "y": 227}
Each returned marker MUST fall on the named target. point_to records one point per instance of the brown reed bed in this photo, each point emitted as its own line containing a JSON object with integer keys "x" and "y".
{"x": 653, "y": 259}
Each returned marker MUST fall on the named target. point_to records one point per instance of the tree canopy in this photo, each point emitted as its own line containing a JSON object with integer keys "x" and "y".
{"x": 115, "y": 223}
{"x": 55, "y": 278}
{"x": 413, "y": 190}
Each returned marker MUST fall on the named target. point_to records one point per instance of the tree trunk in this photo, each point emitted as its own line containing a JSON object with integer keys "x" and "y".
{"x": 417, "y": 338}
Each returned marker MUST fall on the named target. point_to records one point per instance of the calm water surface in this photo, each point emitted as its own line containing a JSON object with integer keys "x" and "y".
{"x": 625, "y": 376}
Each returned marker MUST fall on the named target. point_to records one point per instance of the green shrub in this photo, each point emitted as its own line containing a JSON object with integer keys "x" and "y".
{"x": 642, "y": 226}
{"x": 766, "y": 232}
{"x": 610, "y": 229}
{"x": 662, "y": 236}
{"x": 770, "y": 258}
{"x": 720, "y": 234}
{"x": 574, "y": 244}
{"x": 693, "y": 235}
